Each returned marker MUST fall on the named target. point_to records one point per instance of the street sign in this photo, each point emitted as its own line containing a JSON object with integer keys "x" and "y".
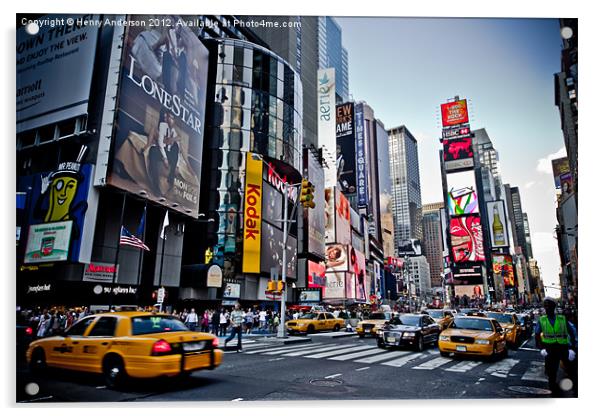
{"x": 273, "y": 295}
{"x": 161, "y": 295}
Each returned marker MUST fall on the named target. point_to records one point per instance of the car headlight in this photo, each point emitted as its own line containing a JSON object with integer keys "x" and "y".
{"x": 379, "y": 332}
{"x": 408, "y": 335}
{"x": 443, "y": 338}
{"x": 482, "y": 341}
{"x": 359, "y": 326}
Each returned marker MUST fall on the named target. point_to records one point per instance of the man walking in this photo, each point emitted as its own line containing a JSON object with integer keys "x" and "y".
{"x": 557, "y": 339}
{"x": 236, "y": 318}
{"x": 192, "y": 320}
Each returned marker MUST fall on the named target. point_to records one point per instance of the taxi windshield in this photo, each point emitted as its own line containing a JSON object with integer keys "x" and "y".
{"x": 377, "y": 315}
{"x": 476, "y": 324}
{"x": 153, "y": 324}
{"x": 309, "y": 316}
{"x": 435, "y": 314}
{"x": 502, "y": 318}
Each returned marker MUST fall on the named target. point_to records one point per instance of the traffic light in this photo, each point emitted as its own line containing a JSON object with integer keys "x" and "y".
{"x": 307, "y": 194}
{"x": 275, "y": 286}
{"x": 280, "y": 286}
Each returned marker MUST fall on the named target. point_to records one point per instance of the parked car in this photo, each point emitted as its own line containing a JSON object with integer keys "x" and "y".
{"x": 414, "y": 330}
{"x": 121, "y": 345}
{"x": 473, "y": 335}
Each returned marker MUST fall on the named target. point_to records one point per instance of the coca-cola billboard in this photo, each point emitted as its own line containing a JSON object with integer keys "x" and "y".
{"x": 467, "y": 239}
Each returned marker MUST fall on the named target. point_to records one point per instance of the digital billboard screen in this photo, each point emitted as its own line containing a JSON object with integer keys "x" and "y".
{"x": 498, "y": 227}
{"x": 342, "y": 218}
{"x": 467, "y": 239}
{"x": 462, "y": 193}
{"x": 346, "y": 156}
{"x": 467, "y": 274}
{"x": 503, "y": 266}
{"x": 458, "y": 154}
{"x": 473, "y": 292}
{"x": 329, "y": 236}
{"x": 315, "y": 216}
{"x": 454, "y": 113}
{"x": 158, "y": 139}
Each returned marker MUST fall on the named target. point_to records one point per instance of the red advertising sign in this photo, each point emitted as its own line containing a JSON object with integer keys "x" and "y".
{"x": 502, "y": 265}
{"x": 467, "y": 239}
{"x": 454, "y": 113}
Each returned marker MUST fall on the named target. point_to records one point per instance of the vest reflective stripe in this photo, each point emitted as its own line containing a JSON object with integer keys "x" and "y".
{"x": 557, "y": 334}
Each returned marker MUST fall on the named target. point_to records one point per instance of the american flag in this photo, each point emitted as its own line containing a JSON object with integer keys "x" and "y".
{"x": 129, "y": 239}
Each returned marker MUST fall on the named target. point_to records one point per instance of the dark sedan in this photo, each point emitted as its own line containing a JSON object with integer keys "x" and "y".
{"x": 414, "y": 330}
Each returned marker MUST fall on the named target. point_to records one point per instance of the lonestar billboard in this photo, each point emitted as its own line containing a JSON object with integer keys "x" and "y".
{"x": 251, "y": 260}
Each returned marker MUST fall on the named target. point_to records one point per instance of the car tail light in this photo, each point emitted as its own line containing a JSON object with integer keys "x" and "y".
{"x": 161, "y": 347}
{"x": 28, "y": 330}
{"x": 215, "y": 342}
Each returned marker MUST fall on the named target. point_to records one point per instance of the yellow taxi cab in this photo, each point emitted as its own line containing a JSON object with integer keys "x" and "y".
{"x": 314, "y": 321}
{"x": 473, "y": 335}
{"x": 373, "y": 324}
{"x": 443, "y": 317}
{"x": 120, "y": 345}
{"x": 511, "y": 325}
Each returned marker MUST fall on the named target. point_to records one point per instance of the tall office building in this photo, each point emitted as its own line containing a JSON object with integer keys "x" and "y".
{"x": 488, "y": 157}
{"x": 432, "y": 242}
{"x": 420, "y": 277}
{"x": 517, "y": 219}
{"x": 385, "y": 186}
{"x": 332, "y": 54}
{"x": 405, "y": 175}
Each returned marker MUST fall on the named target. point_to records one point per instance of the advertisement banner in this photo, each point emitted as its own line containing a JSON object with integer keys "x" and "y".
{"x": 158, "y": 139}
{"x": 444, "y": 228}
{"x": 335, "y": 286}
{"x": 462, "y": 193}
{"x": 346, "y": 168}
{"x": 271, "y": 251}
{"x": 214, "y": 276}
{"x": 560, "y": 167}
{"x": 54, "y": 70}
{"x": 48, "y": 242}
{"x": 342, "y": 218}
{"x": 467, "y": 274}
{"x": 329, "y": 235}
{"x": 100, "y": 272}
{"x": 454, "y": 113}
{"x": 232, "y": 291}
{"x": 503, "y": 266}
{"x": 472, "y": 292}
{"x": 410, "y": 248}
{"x": 456, "y": 132}
{"x": 315, "y": 216}
{"x": 467, "y": 239}
{"x": 312, "y": 296}
{"x": 361, "y": 157}
{"x": 316, "y": 275}
{"x": 498, "y": 226}
{"x": 357, "y": 265}
{"x": 337, "y": 264}
{"x": 327, "y": 122}
{"x": 252, "y": 215}
{"x": 458, "y": 154}
{"x": 350, "y": 285}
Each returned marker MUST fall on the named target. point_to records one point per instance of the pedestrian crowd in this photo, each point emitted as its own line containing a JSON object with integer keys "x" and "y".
{"x": 220, "y": 321}
{"x": 46, "y": 322}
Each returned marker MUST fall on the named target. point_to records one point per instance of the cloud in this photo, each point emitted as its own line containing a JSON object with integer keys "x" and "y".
{"x": 529, "y": 184}
{"x": 544, "y": 165}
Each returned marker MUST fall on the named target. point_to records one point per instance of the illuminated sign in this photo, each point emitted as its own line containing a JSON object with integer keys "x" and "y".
{"x": 458, "y": 154}
{"x": 454, "y": 113}
{"x": 252, "y": 216}
{"x": 467, "y": 239}
{"x": 48, "y": 242}
{"x": 503, "y": 266}
{"x": 456, "y": 133}
{"x": 361, "y": 162}
{"x": 100, "y": 272}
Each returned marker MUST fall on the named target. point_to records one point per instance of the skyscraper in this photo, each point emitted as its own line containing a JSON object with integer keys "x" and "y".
{"x": 405, "y": 175}
{"x": 488, "y": 157}
{"x": 432, "y": 243}
{"x": 332, "y": 54}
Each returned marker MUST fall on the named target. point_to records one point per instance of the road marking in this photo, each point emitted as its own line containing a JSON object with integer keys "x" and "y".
{"x": 276, "y": 359}
{"x": 535, "y": 372}
{"x": 362, "y": 369}
{"x": 528, "y": 349}
{"x": 283, "y": 349}
{"x": 382, "y": 357}
{"x": 295, "y": 348}
{"x": 463, "y": 366}
{"x": 316, "y": 349}
{"x": 333, "y": 376}
{"x": 36, "y": 400}
{"x": 344, "y": 350}
{"x": 403, "y": 360}
{"x": 357, "y": 354}
{"x": 432, "y": 364}
{"x": 502, "y": 368}
{"x": 101, "y": 387}
{"x": 523, "y": 344}
{"x": 238, "y": 400}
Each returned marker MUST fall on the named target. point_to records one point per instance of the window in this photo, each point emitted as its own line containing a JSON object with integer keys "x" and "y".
{"x": 104, "y": 327}
{"x": 78, "y": 329}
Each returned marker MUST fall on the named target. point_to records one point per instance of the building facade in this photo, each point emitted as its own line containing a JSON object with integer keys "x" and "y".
{"x": 432, "y": 242}
{"x": 332, "y": 54}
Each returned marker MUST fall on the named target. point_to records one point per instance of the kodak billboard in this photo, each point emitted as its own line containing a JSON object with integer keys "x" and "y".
{"x": 252, "y": 216}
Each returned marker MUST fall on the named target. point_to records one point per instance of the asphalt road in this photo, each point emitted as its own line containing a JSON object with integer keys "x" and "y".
{"x": 330, "y": 367}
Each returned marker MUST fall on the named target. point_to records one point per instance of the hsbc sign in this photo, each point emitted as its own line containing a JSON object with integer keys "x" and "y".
{"x": 455, "y": 132}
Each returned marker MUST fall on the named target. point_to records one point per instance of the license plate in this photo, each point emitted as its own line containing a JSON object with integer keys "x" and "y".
{"x": 391, "y": 339}
{"x": 193, "y": 346}
{"x": 461, "y": 348}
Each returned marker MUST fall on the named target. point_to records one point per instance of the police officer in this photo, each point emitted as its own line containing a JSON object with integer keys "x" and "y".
{"x": 557, "y": 339}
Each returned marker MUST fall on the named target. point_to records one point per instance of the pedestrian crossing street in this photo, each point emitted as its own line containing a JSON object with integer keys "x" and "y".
{"x": 420, "y": 361}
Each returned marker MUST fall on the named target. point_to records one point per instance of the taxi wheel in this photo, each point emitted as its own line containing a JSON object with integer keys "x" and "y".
{"x": 113, "y": 371}
{"x": 38, "y": 361}
{"x": 381, "y": 344}
{"x": 337, "y": 327}
{"x": 311, "y": 329}
{"x": 420, "y": 343}
{"x": 361, "y": 335}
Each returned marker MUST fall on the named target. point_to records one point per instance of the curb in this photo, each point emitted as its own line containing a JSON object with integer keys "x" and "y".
{"x": 344, "y": 335}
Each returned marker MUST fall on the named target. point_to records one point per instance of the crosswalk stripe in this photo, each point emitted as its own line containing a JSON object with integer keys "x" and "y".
{"x": 502, "y": 369}
{"x": 403, "y": 360}
{"x": 357, "y": 354}
{"x": 432, "y": 364}
{"x": 316, "y": 349}
{"x": 463, "y": 366}
{"x": 282, "y": 349}
{"x": 382, "y": 357}
{"x": 535, "y": 372}
{"x": 343, "y": 351}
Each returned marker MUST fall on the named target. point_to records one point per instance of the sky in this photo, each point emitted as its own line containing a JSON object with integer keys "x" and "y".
{"x": 404, "y": 68}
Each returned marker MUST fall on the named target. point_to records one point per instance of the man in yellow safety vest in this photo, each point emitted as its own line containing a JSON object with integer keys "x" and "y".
{"x": 557, "y": 339}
